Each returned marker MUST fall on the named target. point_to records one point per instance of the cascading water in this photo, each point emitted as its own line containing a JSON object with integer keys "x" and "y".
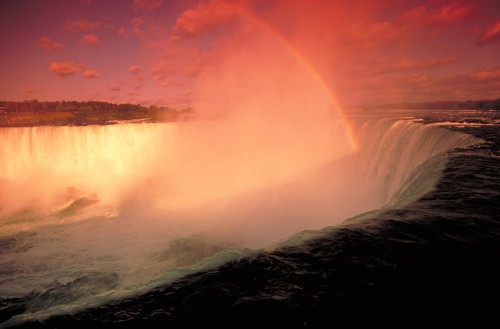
{"x": 401, "y": 152}
{"x": 42, "y": 166}
{"x": 64, "y": 256}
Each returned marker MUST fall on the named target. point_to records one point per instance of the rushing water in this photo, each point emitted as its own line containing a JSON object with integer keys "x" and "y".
{"x": 98, "y": 222}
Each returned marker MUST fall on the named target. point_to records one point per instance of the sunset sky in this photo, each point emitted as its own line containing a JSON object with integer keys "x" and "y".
{"x": 153, "y": 52}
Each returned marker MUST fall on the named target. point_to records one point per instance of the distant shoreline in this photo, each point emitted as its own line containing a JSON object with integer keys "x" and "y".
{"x": 30, "y": 119}
{"x": 485, "y": 104}
{"x": 34, "y": 113}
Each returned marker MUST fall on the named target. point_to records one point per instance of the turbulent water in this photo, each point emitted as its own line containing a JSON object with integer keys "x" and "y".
{"x": 96, "y": 231}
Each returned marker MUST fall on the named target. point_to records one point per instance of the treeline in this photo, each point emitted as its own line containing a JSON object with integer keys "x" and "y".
{"x": 34, "y": 113}
{"x": 491, "y": 104}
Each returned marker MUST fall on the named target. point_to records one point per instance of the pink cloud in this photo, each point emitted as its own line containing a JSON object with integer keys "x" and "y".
{"x": 171, "y": 83}
{"x": 64, "y": 69}
{"x": 70, "y": 68}
{"x": 422, "y": 16}
{"x": 90, "y": 74}
{"x": 404, "y": 65}
{"x": 49, "y": 45}
{"x": 82, "y": 25}
{"x": 482, "y": 83}
{"x": 418, "y": 79}
{"x": 90, "y": 39}
{"x": 137, "y": 24}
{"x": 203, "y": 18}
{"x": 450, "y": 13}
{"x": 161, "y": 70}
{"x": 147, "y": 4}
{"x": 136, "y": 72}
{"x": 491, "y": 34}
{"x": 477, "y": 84}
{"x": 413, "y": 24}
{"x": 122, "y": 31}
{"x": 115, "y": 86}
{"x": 488, "y": 74}
{"x": 134, "y": 69}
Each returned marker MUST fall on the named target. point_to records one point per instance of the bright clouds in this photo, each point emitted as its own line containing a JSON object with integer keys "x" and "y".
{"x": 49, "y": 45}
{"x": 82, "y": 25}
{"x": 70, "y": 68}
{"x": 137, "y": 24}
{"x": 91, "y": 40}
{"x": 407, "y": 27}
{"x": 202, "y": 18}
{"x": 134, "y": 69}
{"x": 449, "y": 13}
{"x": 65, "y": 69}
{"x": 402, "y": 65}
{"x": 161, "y": 70}
{"x": 477, "y": 84}
{"x": 484, "y": 75}
{"x": 136, "y": 72}
{"x": 90, "y": 74}
{"x": 491, "y": 34}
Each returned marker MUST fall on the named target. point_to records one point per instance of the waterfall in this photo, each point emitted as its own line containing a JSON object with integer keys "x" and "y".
{"x": 186, "y": 197}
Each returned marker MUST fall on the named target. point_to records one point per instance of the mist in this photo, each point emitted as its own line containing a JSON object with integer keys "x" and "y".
{"x": 277, "y": 126}
{"x": 140, "y": 200}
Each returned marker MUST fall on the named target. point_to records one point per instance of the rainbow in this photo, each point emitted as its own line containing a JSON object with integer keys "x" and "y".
{"x": 251, "y": 17}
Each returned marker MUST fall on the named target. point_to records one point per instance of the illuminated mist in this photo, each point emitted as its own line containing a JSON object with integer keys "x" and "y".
{"x": 275, "y": 123}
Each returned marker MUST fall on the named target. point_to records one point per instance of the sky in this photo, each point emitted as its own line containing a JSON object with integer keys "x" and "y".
{"x": 166, "y": 52}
